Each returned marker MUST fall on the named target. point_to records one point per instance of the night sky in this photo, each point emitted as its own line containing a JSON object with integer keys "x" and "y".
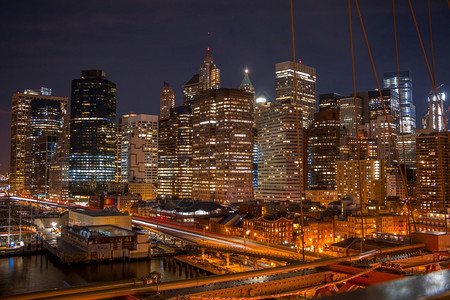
{"x": 141, "y": 43}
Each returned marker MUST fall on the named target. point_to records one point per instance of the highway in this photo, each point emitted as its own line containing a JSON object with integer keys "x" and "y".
{"x": 220, "y": 242}
{"x": 200, "y": 238}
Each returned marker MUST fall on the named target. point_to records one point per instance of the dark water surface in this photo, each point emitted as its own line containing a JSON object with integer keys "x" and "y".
{"x": 39, "y": 272}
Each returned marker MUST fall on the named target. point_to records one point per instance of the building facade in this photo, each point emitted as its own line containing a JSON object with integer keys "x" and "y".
{"x": 279, "y": 175}
{"x": 37, "y": 120}
{"x": 433, "y": 176}
{"x": 92, "y": 134}
{"x": 323, "y": 150}
{"x": 222, "y": 146}
{"x": 306, "y": 88}
{"x": 175, "y": 154}
{"x": 167, "y": 101}
{"x": 139, "y": 148}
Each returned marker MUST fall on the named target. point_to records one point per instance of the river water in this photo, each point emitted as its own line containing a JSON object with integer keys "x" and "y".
{"x": 38, "y": 272}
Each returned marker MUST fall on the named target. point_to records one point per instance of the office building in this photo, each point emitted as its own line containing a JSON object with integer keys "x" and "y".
{"x": 167, "y": 101}
{"x": 59, "y": 166}
{"x": 380, "y": 124}
{"x": 433, "y": 176}
{"x": 329, "y": 101}
{"x": 92, "y": 134}
{"x": 306, "y": 88}
{"x": 347, "y": 113}
{"x": 402, "y": 86}
{"x": 435, "y": 118}
{"x": 190, "y": 90}
{"x": 323, "y": 150}
{"x": 209, "y": 75}
{"x": 175, "y": 154}
{"x": 279, "y": 175}
{"x": 222, "y": 146}
{"x": 372, "y": 177}
{"x": 139, "y": 148}
{"x": 37, "y": 120}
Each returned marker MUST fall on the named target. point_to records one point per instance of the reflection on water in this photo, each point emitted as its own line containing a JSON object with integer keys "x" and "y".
{"x": 38, "y": 272}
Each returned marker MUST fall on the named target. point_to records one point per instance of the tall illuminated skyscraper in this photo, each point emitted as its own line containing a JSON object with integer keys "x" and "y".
{"x": 209, "y": 76}
{"x": 306, "y": 88}
{"x": 433, "y": 176}
{"x": 403, "y": 86}
{"x": 329, "y": 101}
{"x": 190, "y": 90}
{"x": 37, "y": 120}
{"x": 175, "y": 154}
{"x": 434, "y": 119}
{"x": 139, "y": 148}
{"x": 222, "y": 146}
{"x": 92, "y": 134}
{"x": 167, "y": 101}
{"x": 379, "y": 127}
{"x": 279, "y": 178}
{"x": 323, "y": 145}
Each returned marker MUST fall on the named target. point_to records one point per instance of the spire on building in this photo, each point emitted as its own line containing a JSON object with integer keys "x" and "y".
{"x": 246, "y": 84}
{"x": 209, "y": 77}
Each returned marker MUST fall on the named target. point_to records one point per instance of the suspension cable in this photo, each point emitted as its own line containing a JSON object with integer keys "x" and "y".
{"x": 433, "y": 82}
{"x": 358, "y": 141}
{"x": 379, "y": 89}
{"x": 428, "y": 67}
{"x": 299, "y": 157}
{"x": 405, "y": 182}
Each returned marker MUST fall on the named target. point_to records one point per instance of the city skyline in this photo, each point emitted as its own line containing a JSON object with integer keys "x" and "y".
{"x": 140, "y": 53}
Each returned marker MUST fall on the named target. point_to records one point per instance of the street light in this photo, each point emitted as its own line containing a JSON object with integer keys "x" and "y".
{"x": 245, "y": 244}
{"x": 204, "y": 230}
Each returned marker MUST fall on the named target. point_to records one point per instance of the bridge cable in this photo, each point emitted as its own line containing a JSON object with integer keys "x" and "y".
{"x": 405, "y": 178}
{"x": 432, "y": 75}
{"x": 358, "y": 140}
{"x": 379, "y": 89}
{"x": 299, "y": 157}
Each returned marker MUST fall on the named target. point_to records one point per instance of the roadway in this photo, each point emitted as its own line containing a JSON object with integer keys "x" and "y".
{"x": 201, "y": 238}
{"x": 219, "y": 242}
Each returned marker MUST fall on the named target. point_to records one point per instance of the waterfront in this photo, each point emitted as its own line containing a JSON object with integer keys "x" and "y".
{"x": 38, "y": 272}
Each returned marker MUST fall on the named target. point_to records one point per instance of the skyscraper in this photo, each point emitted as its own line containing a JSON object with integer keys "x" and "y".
{"x": 306, "y": 88}
{"x": 190, "y": 90}
{"x": 222, "y": 146}
{"x": 379, "y": 126}
{"x": 175, "y": 154}
{"x": 435, "y": 118}
{"x": 433, "y": 176}
{"x": 279, "y": 178}
{"x": 92, "y": 134}
{"x": 323, "y": 146}
{"x": 246, "y": 84}
{"x": 329, "y": 101}
{"x": 373, "y": 185}
{"x": 139, "y": 148}
{"x": 37, "y": 119}
{"x": 403, "y": 86}
{"x": 167, "y": 101}
{"x": 209, "y": 76}
{"x": 347, "y": 113}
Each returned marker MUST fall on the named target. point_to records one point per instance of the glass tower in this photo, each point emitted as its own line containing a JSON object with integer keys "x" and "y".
{"x": 402, "y": 86}
{"x": 92, "y": 134}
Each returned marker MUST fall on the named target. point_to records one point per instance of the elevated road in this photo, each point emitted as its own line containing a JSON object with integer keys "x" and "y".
{"x": 220, "y": 242}
{"x": 200, "y": 238}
